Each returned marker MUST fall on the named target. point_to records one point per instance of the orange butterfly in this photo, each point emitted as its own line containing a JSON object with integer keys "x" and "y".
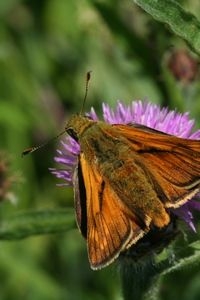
{"x": 127, "y": 177}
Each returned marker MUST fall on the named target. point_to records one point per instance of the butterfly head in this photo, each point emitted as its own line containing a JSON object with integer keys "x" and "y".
{"x": 77, "y": 125}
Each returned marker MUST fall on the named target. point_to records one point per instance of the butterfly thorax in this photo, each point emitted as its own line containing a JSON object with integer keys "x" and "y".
{"x": 77, "y": 125}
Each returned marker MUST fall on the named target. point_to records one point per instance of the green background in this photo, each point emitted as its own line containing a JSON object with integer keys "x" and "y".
{"x": 46, "y": 48}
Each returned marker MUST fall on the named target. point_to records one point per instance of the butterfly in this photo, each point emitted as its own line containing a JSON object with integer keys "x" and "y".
{"x": 126, "y": 180}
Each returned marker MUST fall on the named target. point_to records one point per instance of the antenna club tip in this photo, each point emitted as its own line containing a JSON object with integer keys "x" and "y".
{"x": 88, "y": 75}
{"x": 33, "y": 149}
{"x": 27, "y": 151}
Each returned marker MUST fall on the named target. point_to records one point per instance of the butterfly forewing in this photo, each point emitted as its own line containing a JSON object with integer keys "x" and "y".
{"x": 111, "y": 227}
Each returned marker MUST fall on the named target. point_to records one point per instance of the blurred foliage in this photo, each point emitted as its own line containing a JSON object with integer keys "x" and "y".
{"x": 46, "y": 47}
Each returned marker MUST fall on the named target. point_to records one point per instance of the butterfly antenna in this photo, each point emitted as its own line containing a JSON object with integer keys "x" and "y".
{"x": 33, "y": 149}
{"x": 88, "y": 76}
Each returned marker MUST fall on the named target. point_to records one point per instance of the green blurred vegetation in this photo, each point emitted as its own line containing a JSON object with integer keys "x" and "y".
{"x": 46, "y": 47}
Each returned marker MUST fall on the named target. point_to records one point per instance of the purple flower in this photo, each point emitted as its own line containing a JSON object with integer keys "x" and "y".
{"x": 138, "y": 112}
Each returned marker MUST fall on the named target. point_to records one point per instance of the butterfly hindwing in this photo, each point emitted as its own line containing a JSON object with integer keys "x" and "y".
{"x": 171, "y": 163}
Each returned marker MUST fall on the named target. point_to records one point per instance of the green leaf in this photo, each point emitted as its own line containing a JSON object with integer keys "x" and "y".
{"x": 26, "y": 224}
{"x": 182, "y": 23}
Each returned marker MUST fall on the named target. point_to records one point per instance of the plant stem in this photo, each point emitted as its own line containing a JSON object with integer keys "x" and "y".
{"x": 137, "y": 277}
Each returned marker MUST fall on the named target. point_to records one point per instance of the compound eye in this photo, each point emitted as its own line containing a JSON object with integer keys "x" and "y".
{"x": 72, "y": 133}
